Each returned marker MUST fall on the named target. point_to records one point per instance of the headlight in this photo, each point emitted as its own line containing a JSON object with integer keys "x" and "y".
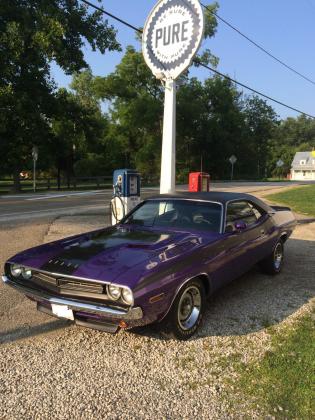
{"x": 114, "y": 292}
{"x": 127, "y": 296}
{"x": 26, "y": 273}
{"x": 16, "y": 270}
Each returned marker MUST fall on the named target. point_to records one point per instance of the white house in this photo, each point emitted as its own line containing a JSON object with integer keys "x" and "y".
{"x": 303, "y": 166}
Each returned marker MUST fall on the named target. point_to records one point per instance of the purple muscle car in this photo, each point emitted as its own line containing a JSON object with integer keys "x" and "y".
{"x": 158, "y": 265}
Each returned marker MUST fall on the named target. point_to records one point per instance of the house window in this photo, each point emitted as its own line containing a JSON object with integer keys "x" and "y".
{"x": 302, "y": 162}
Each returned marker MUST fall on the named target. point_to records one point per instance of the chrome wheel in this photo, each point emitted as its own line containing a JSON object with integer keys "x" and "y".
{"x": 278, "y": 256}
{"x": 189, "y": 308}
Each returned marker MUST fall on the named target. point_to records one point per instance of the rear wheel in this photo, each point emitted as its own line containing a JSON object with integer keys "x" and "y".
{"x": 187, "y": 311}
{"x": 274, "y": 262}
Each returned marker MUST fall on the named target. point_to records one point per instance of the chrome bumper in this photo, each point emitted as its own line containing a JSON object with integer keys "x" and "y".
{"x": 119, "y": 314}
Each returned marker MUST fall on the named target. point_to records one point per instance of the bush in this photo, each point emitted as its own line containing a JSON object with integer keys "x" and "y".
{"x": 92, "y": 165}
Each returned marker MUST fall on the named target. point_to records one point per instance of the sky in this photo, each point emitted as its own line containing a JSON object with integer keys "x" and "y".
{"x": 283, "y": 27}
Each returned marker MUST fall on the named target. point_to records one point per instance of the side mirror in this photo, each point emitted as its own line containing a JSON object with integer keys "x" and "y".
{"x": 240, "y": 226}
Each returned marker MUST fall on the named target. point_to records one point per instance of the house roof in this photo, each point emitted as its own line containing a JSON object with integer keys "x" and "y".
{"x": 307, "y": 157}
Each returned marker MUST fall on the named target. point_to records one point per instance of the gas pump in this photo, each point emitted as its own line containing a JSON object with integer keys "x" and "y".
{"x": 199, "y": 182}
{"x": 126, "y": 194}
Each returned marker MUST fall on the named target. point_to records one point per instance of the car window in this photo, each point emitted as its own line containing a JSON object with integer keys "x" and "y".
{"x": 257, "y": 211}
{"x": 178, "y": 214}
{"x": 244, "y": 211}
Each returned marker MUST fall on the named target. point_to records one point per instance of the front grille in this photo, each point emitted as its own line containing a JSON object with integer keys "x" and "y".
{"x": 83, "y": 286}
{"x": 68, "y": 286}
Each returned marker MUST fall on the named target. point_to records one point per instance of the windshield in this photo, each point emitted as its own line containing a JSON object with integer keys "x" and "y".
{"x": 179, "y": 214}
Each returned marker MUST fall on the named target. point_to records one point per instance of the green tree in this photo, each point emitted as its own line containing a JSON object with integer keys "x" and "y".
{"x": 33, "y": 33}
{"x": 77, "y": 129}
{"x": 290, "y": 136}
{"x": 83, "y": 85}
{"x": 210, "y": 126}
{"x": 261, "y": 122}
{"x": 136, "y": 112}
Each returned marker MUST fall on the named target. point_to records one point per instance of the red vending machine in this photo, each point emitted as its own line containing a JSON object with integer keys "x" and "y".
{"x": 199, "y": 182}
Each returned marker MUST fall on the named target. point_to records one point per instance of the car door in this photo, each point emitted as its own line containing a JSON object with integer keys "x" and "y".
{"x": 263, "y": 234}
{"x": 232, "y": 259}
{"x": 239, "y": 247}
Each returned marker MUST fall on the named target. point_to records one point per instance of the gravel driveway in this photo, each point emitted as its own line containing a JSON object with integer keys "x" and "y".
{"x": 51, "y": 369}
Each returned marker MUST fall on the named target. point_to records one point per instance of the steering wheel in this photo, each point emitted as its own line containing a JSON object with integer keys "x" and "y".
{"x": 199, "y": 219}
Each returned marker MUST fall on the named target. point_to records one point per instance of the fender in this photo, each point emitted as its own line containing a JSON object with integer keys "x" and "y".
{"x": 208, "y": 285}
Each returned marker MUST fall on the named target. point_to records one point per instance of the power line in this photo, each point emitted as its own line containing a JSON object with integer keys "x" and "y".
{"x": 112, "y": 16}
{"x": 251, "y": 89}
{"x": 258, "y": 46}
{"x": 203, "y": 65}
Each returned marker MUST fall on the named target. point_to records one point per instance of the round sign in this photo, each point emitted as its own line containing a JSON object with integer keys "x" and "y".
{"x": 35, "y": 152}
{"x": 233, "y": 159}
{"x": 172, "y": 36}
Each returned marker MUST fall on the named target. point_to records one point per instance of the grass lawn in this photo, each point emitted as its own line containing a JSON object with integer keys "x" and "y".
{"x": 301, "y": 199}
{"x": 283, "y": 382}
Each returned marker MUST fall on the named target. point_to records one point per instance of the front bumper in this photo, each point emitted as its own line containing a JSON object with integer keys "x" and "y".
{"x": 114, "y": 314}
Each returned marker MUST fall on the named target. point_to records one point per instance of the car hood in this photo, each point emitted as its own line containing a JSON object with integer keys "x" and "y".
{"x": 110, "y": 254}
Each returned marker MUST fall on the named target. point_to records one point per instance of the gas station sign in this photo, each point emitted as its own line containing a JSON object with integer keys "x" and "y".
{"x": 172, "y": 36}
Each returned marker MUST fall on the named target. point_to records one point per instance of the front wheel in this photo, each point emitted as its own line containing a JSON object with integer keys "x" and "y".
{"x": 186, "y": 312}
{"x": 274, "y": 262}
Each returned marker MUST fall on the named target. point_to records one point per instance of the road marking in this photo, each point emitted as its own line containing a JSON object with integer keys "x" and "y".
{"x": 51, "y": 195}
{"x": 78, "y": 208}
{"x": 48, "y": 197}
{"x": 4, "y": 197}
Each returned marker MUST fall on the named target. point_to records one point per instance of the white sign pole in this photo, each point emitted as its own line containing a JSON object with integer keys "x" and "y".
{"x": 168, "y": 163}
{"x": 35, "y": 157}
{"x": 233, "y": 160}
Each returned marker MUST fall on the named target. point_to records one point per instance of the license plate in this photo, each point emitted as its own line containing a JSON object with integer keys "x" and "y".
{"x": 62, "y": 311}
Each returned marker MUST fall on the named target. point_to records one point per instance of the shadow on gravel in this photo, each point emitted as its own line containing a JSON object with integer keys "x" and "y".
{"x": 27, "y": 331}
{"x": 257, "y": 301}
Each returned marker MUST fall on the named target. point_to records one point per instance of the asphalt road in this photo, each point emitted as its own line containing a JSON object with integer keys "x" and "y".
{"x": 35, "y": 206}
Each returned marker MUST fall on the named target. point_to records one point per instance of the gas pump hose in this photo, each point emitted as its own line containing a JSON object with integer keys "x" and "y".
{"x": 113, "y": 207}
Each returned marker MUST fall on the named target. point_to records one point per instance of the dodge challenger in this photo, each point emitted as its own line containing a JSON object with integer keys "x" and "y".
{"x": 158, "y": 265}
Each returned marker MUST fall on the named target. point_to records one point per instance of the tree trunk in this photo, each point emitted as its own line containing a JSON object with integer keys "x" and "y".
{"x": 16, "y": 181}
{"x": 58, "y": 178}
{"x": 69, "y": 166}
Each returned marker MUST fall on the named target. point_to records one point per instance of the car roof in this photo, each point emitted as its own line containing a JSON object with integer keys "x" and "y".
{"x": 215, "y": 196}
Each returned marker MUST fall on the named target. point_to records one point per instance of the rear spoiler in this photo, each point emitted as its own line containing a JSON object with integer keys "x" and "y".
{"x": 280, "y": 208}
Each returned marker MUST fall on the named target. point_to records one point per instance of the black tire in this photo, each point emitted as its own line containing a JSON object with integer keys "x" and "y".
{"x": 186, "y": 313}
{"x": 273, "y": 263}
